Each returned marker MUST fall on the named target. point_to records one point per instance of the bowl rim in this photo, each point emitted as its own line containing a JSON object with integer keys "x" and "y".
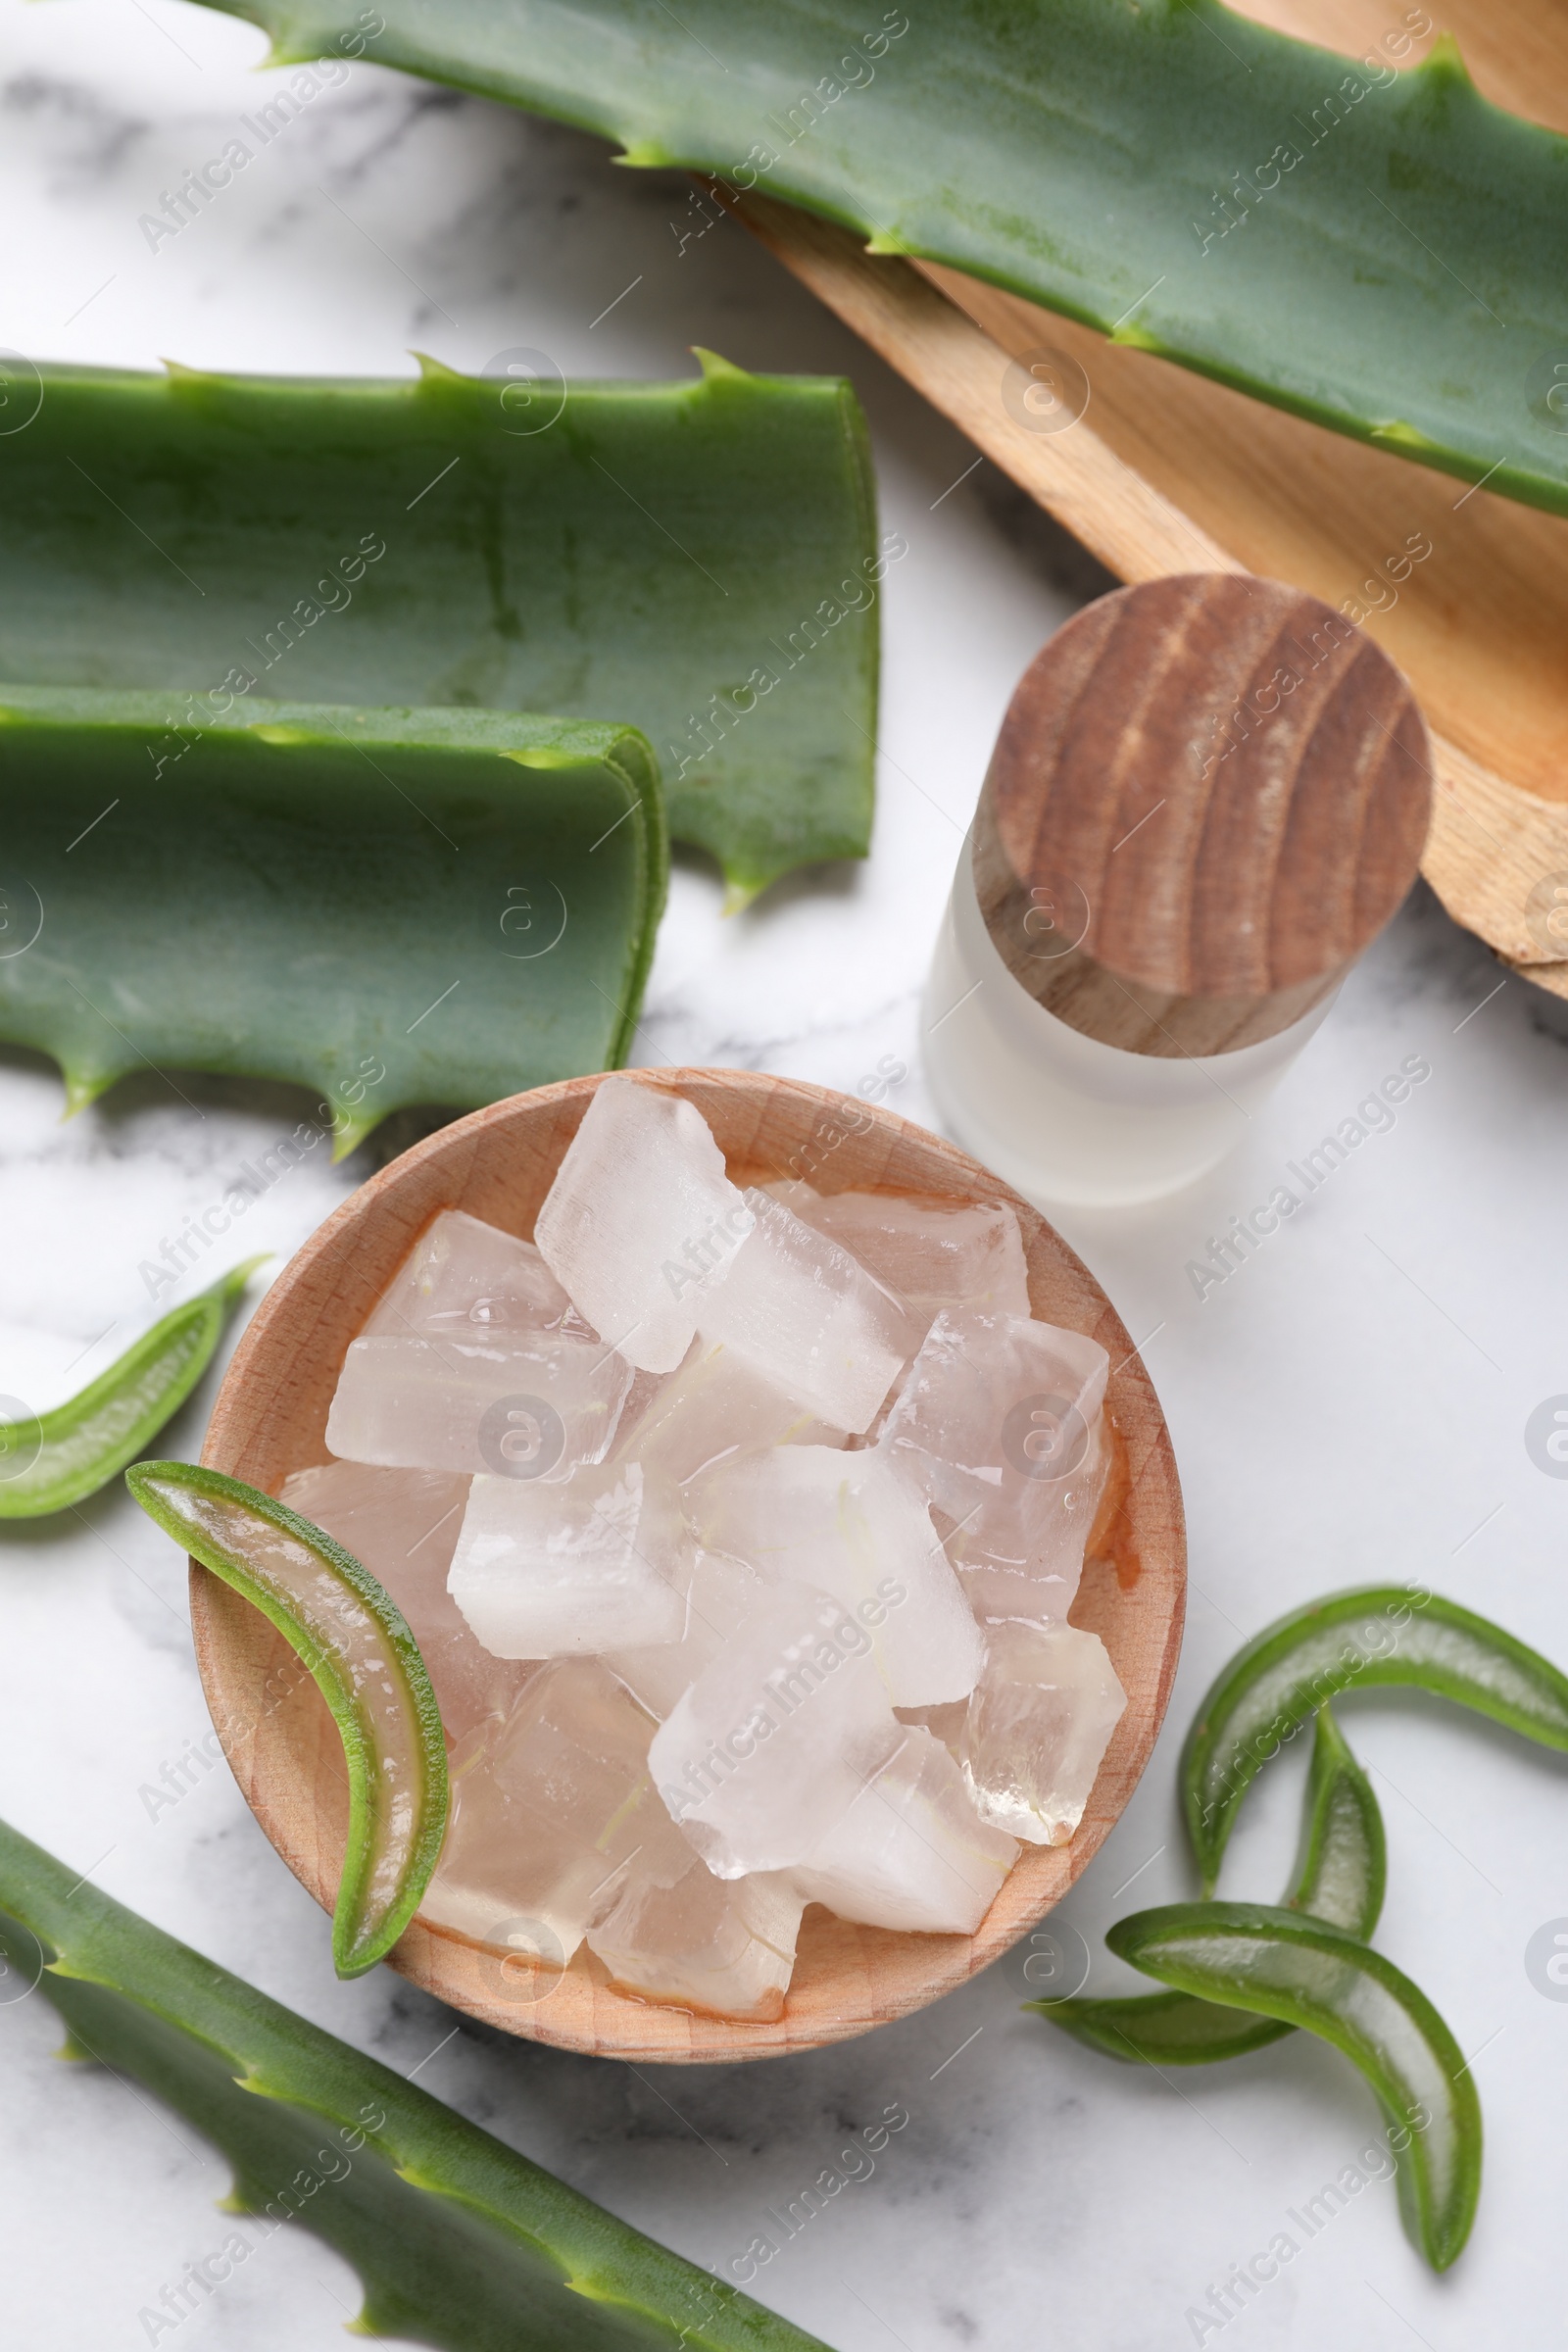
{"x": 871, "y": 1985}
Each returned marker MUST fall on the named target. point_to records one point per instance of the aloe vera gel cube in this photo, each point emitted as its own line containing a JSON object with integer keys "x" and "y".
{"x": 847, "y": 1523}
{"x": 714, "y": 1407}
{"x": 570, "y": 1570}
{"x": 775, "y": 1737}
{"x": 720, "y": 1945}
{"x": 541, "y": 1838}
{"x": 642, "y": 1221}
{"x": 403, "y": 1526}
{"x": 911, "y": 1851}
{"x": 1038, "y": 1725}
{"x": 806, "y": 1316}
{"x": 465, "y": 1279}
{"x": 525, "y": 1406}
{"x": 930, "y": 1254}
{"x": 999, "y": 1426}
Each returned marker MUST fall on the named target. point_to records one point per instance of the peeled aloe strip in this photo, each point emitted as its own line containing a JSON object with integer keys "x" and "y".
{"x": 1371, "y": 1637}
{"x": 367, "y": 1664}
{"x": 1307, "y": 1973}
{"x": 60, "y": 1458}
{"x": 1340, "y": 1876}
{"x": 1379, "y": 251}
{"x": 696, "y": 559}
{"x": 391, "y": 907}
{"x": 457, "y": 2241}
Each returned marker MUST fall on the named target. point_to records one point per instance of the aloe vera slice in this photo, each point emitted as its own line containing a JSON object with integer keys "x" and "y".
{"x": 457, "y": 2241}
{"x": 390, "y": 905}
{"x": 1370, "y": 1638}
{"x": 1379, "y": 251}
{"x": 1343, "y": 1872}
{"x": 1340, "y": 1877}
{"x": 1308, "y": 1973}
{"x": 60, "y": 1458}
{"x": 698, "y": 560}
{"x": 367, "y": 1664}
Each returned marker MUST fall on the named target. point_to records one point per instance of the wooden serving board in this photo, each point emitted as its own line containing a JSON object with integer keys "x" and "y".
{"x": 1165, "y": 471}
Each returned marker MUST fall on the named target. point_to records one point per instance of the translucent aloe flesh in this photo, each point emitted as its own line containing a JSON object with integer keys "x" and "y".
{"x": 694, "y": 560}
{"x": 1307, "y": 1973}
{"x": 60, "y": 1458}
{"x": 389, "y": 907}
{"x": 458, "y": 2241}
{"x": 1382, "y": 252}
{"x": 1340, "y": 1875}
{"x": 1369, "y": 1638}
{"x": 355, "y": 1640}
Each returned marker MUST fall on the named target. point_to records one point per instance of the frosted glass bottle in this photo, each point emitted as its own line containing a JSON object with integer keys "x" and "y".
{"x": 1208, "y": 793}
{"x": 1059, "y": 1116}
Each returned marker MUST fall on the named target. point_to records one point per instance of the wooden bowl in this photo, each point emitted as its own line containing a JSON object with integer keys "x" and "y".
{"x": 270, "y": 1418}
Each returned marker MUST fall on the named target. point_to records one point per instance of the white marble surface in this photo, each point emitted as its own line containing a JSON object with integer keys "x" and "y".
{"x": 1349, "y": 1406}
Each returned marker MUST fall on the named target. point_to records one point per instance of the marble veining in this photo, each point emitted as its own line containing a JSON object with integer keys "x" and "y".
{"x": 1351, "y": 1404}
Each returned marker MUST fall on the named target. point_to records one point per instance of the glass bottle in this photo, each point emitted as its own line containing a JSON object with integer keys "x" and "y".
{"x": 1207, "y": 795}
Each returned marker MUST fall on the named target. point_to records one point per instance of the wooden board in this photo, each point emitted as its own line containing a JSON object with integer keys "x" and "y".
{"x": 1165, "y": 471}
{"x": 270, "y": 1418}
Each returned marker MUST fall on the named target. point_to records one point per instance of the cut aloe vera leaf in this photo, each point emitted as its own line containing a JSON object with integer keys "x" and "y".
{"x": 696, "y": 559}
{"x": 367, "y": 1664}
{"x": 57, "y": 1458}
{"x": 457, "y": 2241}
{"x": 1340, "y": 1875}
{"x": 1342, "y": 1871}
{"x": 390, "y": 906}
{"x": 1307, "y": 1973}
{"x": 1367, "y": 1638}
{"x": 1379, "y": 251}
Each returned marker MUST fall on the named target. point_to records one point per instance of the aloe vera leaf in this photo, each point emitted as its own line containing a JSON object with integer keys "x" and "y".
{"x": 458, "y": 2241}
{"x": 1340, "y": 1875}
{"x": 57, "y": 1458}
{"x": 696, "y": 559}
{"x": 356, "y": 1641}
{"x": 1308, "y": 1973}
{"x": 1399, "y": 278}
{"x": 1366, "y": 1639}
{"x": 392, "y": 907}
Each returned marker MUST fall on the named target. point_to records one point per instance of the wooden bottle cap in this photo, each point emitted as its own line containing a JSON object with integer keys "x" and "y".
{"x": 1208, "y": 795}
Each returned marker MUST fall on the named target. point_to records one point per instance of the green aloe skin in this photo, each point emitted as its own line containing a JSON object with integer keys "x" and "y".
{"x": 1340, "y": 1877}
{"x": 390, "y": 906}
{"x": 60, "y": 1457}
{"x": 1379, "y": 251}
{"x": 1304, "y": 1972}
{"x": 458, "y": 2241}
{"x": 350, "y": 1634}
{"x": 1371, "y": 1637}
{"x": 697, "y": 561}
{"x": 1308, "y": 1965}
